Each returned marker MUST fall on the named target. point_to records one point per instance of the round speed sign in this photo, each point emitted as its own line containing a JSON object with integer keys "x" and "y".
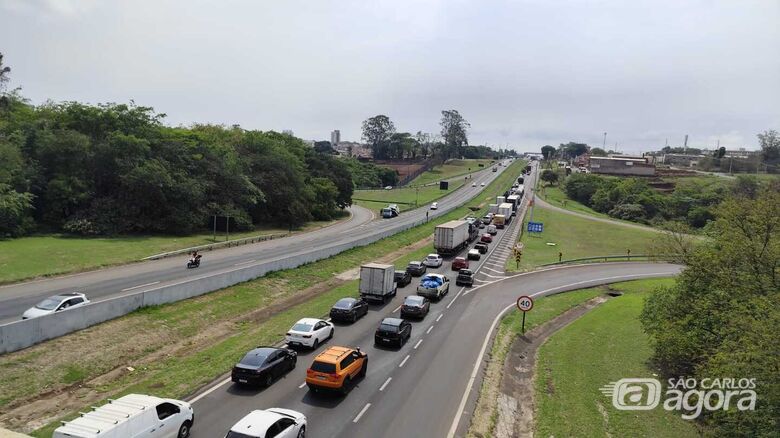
{"x": 525, "y": 303}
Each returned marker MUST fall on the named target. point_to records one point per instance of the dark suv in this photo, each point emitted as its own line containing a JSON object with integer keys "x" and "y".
{"x": 416, "y": 269}
{"x": 402, "y": 278}
{"x": 393, "y": 331}
{"x": 465, "y": 277}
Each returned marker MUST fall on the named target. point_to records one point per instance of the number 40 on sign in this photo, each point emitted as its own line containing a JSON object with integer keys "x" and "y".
{"x": 525, "y": 303}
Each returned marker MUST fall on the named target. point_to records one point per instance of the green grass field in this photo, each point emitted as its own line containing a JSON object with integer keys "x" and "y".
{"x": 36, "y": 256}
{"x": 576, "y": 238}
{"x": 555, "y": 196}
{"x": 181, "y": 373}
{"x": 450, "y": 169}
{"x": 603, "y": 346}
{"x": 406, "y": 197}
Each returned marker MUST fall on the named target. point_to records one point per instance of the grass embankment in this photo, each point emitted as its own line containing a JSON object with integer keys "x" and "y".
{"x": 37, "y": 256}
{"x": 545, "y": 309}
{"x": 604, "y": 345}
{"x": 187, "y": 344}
{"x": 450, "y": 169}
{"x": 576, "y": 237}
{"x": 554, "y": 195}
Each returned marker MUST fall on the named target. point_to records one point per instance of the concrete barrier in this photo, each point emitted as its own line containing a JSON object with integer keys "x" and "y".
{"x": 22, "y": 334}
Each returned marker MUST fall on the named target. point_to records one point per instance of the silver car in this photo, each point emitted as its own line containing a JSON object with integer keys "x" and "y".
{"x": 55, "y": 304}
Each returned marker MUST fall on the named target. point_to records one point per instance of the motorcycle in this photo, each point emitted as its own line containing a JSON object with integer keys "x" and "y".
{"x": 194, "y": 262}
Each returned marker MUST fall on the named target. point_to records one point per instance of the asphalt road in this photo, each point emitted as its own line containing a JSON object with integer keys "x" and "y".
{"x": 418, "y": 390}
{"x": 136, "y": 277}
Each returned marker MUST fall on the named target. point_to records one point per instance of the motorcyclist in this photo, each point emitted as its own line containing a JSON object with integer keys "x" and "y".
{"x": 195, "y": 257}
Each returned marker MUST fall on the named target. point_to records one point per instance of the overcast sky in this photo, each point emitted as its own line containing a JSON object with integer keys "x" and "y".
{"x": 524, "y": 73}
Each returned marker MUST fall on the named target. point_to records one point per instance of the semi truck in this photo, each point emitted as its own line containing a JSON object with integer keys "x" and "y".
{"x": 451, "y": 237}
{"x": 515, "y": 201}
{"x": 377, "y": 282}
{"x": 500, "y": 200}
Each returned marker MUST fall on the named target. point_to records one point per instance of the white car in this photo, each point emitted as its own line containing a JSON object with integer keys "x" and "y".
{"x": 435, "y": 206}
{"x": 473, "y": 184}
{"x": 272, "y": 422}
{"x": 388, "y": 187}
{"x": 433, "y": 261}
{"x": 309, "y": 332}
{"x": 482, "y": 185}
{"x": 55, "y": 304}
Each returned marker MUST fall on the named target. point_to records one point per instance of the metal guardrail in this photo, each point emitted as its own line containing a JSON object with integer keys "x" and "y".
{"x": 217, "y": 245}
{"x": 607, "y": 258}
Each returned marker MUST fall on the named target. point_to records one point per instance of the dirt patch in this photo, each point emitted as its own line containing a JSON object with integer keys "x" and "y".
{"x": 519, "y": 369}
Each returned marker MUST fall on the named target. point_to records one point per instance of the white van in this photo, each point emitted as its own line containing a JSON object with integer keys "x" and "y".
{"x": 132, "y": 416}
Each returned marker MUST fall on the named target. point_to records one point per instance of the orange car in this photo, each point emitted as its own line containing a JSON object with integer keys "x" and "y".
{"x": 335, "y": 369}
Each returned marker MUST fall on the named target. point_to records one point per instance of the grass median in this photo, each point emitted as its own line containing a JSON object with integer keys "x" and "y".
{"x": 570, "y": 237}
{"x": 37, "y": 256}
{"x": 182, "y": 346}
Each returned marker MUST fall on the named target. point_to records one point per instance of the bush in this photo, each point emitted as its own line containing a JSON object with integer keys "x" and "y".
{"x": 629, "y": 212}
{"x": 582, "y": 186}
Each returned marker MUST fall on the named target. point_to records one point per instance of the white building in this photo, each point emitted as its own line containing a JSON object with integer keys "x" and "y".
{"x": 335, "y": 138}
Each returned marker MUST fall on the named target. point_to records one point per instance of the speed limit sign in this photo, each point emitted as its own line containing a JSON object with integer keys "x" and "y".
{"x": 525, "y": 303}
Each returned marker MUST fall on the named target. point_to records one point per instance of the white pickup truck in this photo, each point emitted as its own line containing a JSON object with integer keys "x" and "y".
{"x": 434, "y": 286}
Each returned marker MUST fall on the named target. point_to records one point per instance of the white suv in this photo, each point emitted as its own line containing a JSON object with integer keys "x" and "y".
{"x": 433, "y": 261}
{"x": 272, "y": 422}
{"x": 55, "y": 304}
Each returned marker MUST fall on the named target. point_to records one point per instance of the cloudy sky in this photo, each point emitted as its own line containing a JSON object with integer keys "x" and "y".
{"x": 524, "y": 73}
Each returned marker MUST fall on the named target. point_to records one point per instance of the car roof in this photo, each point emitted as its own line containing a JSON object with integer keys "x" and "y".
{"x": 311, "y": 321}
{"x": 415, "y": 263}
{"x": 66, "y": 295}
{"x": 347, "y": 300}
{"x": 392, "y": 321}
{"x": 472, "y": 250}
{"x": 465, "y": 271}
{"x": 415, "y": 298}
{"x": 433, "y": 255}
{"x": 264, "y": 351}
{"x": 256, "y": 423}
{"x": 333, "y": 354}
{"x": 460, "y": 258}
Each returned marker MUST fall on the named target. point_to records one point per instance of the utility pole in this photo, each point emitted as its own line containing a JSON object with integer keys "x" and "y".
{"x": 604, "y": 145}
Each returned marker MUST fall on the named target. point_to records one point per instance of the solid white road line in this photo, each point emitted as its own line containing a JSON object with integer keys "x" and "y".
{"x": 455, "y": 298}
{"x": 397, "y": 309}
{"x": 430, "y": 328}
{"x": 140, "y": 285}
{"x": 472, "y": 378}
{"x": 302, "y": 385}
{"x": 403, "y": 361}
{"x": 439, "y": 317}
{"x": 417, "y": 344}
{"x": 362, "y": 411}
{"x": 382, "y": 388}
{"x": 210, "y": 390}
{"x": 245, "y": 263}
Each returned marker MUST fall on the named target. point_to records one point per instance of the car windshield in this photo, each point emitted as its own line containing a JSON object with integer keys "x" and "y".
{"x": 232, "y": 434}
{"x": 254, "y": 359}
{"x": 344, "y": 303}
{"x": 432, "y": 257}
{"x": 400, "y": 274}
{"x": 388, "y": 328}
{"x": 413, "y": 301}
{"x": 302, "y": 327}
{"x": 414, "y": 264}
{"x": 48, "y": 304}
{"x": 323, "y": 367}
{"x": 464, "y": 272}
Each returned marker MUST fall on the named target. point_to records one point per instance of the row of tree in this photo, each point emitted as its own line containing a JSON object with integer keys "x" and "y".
{"x": 380, "y": 134}
{"x": 118, "y": 169}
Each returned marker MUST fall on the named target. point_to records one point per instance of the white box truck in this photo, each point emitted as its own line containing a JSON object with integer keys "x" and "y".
{"x": 506, "y": 210}
{"x": 493, "y": 208}
{"x": 131, "y": 416}
{"x": 500, "y": 200}
{"x": 451, "y": 237}
{"x": 377, "y": 282}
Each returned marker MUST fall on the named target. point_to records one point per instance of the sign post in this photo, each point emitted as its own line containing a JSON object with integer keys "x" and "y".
{"x": 525, "y": 303}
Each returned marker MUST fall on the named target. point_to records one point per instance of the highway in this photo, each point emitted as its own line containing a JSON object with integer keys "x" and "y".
{"x": 418, "y": 390}
{"x": 137, "y": 277}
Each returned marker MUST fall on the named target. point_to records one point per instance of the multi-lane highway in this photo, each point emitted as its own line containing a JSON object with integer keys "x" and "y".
{"x": 136, "y": 277}
{"x": 425, "y": 389}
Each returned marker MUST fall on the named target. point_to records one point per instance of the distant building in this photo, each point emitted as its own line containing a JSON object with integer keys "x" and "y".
{"x": 681, "y": 160}
{"x": 335, "y": 138}
{"x": 288, "y": 132}
{"x": 353, "y": 149}
{"x": 634, "y": 166}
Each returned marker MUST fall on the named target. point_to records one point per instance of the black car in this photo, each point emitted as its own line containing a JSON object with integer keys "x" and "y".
{"x": 348, "y": 309}
{"x": 415, "y": 306}
{"x": 264, "y": 364}
{"x": 416, "y": 268}
{"x": 402, "y": 278}
{"x": 481, "y": 247}
{"x": 393, "y": 331}
{"x": 465, "y": 277}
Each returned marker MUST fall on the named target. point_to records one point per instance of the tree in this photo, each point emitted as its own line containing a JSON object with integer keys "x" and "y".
{"x": 5, "y": 71}
{"x": 598, "y": 152}
{"x": 548, "y": 152}
{"x": 770, "y": 146}
{"x": 376, "y": 132}
{"x": 720, "y": 153}
{"x": 454, "y": 131}
{"x": 573, "y": 150}
{"x": 549, "y": 176}
{"x": 323, "y": 147}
